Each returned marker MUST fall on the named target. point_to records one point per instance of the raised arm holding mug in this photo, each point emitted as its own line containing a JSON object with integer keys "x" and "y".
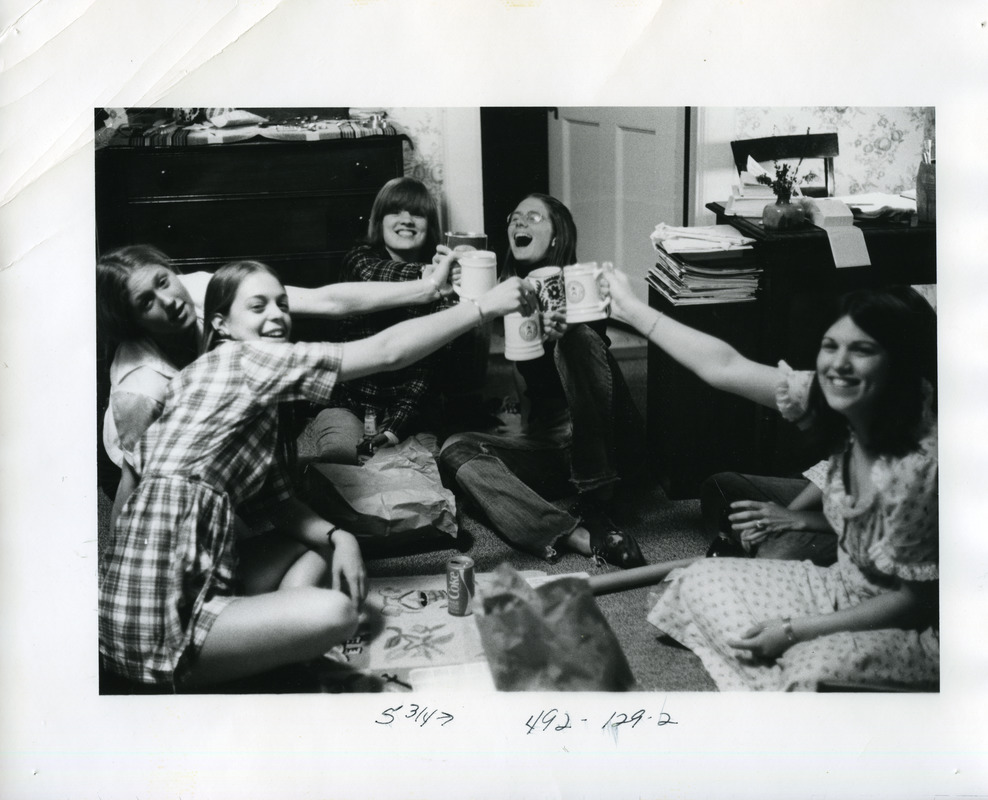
{"x": 871, "y": 618}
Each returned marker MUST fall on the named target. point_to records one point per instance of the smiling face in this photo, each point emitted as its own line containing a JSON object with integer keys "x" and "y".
{"x": 853, "y": 371}
{"x": 530, "y": 231}
{"x": 259, "y": 311}
{"x": 404, "y": 234}
{"x": 159, "y": 301}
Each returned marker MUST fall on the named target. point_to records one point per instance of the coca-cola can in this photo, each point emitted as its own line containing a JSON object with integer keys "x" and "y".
{"x": 459, "y": 585}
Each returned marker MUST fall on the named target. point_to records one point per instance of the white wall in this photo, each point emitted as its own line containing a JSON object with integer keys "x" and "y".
{"x": 445, "y": 155}
{"x": 715, "y": 171}
{"x": 463, "y": 186}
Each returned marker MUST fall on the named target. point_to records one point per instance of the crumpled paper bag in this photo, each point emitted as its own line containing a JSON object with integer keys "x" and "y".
{"x": 552, "y": 638}
{"x": 398, "y": 490}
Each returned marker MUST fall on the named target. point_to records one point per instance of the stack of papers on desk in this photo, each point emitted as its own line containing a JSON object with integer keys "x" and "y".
{"x": 702, "y": 265}
{"x": 877, "y": 204}
{"x": 748, "y": 196}
{"x": 698, "y": 238}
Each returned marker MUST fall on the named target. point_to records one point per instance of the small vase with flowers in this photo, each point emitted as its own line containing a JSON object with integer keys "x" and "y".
{"x": 783, "y": 214}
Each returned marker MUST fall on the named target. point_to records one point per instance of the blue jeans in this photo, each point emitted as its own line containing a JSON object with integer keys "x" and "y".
{"x": 719, "y": 491}
{"x": 512, "y": 478}
{"x": 338, "y": 432}
{"x": 608, "y": 430}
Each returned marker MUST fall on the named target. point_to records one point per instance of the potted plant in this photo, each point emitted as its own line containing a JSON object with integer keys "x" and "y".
{"x": 783, "y": 213}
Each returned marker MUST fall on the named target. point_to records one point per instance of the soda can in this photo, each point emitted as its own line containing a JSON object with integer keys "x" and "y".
{"x": 459, "y": 585}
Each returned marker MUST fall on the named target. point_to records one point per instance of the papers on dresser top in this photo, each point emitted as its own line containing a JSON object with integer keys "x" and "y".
{"x": 703, "y": 264}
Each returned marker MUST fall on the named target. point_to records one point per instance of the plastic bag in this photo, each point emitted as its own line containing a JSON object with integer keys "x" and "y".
{"x": 553, "y": 638}
{"x": 397, "y": 491}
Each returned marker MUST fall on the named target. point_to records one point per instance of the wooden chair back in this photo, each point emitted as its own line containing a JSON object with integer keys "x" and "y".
{"x": 775, "y": 148}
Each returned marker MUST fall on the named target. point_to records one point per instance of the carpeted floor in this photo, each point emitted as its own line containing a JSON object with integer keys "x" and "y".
{"x": 665, "y": 530}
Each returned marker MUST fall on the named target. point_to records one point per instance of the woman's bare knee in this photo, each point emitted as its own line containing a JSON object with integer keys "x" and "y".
{"x": 338, "y": 614}
{"x": 257, "y": 633}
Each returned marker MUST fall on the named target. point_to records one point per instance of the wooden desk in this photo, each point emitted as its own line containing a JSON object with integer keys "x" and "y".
{"x": 695, "y": 431}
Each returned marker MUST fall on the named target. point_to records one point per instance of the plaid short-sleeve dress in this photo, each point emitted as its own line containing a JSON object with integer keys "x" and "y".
{"x": 890, "y": 537}
{"x": 171, "y": 568}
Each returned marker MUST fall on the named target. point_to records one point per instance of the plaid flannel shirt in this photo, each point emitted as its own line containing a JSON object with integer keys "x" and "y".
{"x": 399, "y": 396}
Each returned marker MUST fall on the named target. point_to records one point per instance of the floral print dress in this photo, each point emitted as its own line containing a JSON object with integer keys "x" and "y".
{"x": 889, "y": 537}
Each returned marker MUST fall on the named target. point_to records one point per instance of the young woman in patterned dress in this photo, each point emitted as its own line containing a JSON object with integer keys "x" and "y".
{"x": 178, "y": 607}
{"x": 871, "y": 618}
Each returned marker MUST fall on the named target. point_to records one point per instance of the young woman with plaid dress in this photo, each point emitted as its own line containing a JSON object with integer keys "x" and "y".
{"x": 178, "y": 604}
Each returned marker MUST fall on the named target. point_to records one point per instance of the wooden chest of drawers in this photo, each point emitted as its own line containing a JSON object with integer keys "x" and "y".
{"x": 298, "y": 206}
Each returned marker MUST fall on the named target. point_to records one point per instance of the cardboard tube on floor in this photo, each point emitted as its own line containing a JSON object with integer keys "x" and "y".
{"x": 634, "y": 578}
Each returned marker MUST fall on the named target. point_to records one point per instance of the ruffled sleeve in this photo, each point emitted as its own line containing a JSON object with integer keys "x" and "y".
{"x": 792, "y": 394}
{"x": 817, "y": 474}
{"x": 908, "y": 493}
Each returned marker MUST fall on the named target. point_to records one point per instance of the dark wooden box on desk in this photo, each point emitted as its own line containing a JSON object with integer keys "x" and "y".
{"x": 695, "y": 431}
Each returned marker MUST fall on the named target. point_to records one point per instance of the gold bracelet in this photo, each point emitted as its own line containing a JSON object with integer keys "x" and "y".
{"x": 787, "y": 629}
{"x": 329, "y": 534}
{"x": 479, "y": 311}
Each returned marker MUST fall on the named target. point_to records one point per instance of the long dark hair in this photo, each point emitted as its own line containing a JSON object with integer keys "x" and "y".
{"x": 404, "y": 194}
{"x": 115, "y": 316}
{"x": 903, "y": 323}
{"x": 562, "y": 251}
{"x": 220, "y": 294}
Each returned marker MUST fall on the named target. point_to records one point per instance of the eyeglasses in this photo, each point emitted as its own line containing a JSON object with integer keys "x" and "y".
{"x": 531, "y": 217}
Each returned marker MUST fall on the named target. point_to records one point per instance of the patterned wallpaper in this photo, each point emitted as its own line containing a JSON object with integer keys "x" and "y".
{"x": 879, "y": 147}
{"x": 425, "y": 161}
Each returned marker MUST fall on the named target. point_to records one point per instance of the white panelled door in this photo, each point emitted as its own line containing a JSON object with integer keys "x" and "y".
{"x": 620, "y": 170}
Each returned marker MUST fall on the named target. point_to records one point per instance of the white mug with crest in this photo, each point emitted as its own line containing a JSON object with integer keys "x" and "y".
{"x": 584, "y": 300}
{"x": 522, "y": 336}
{"x": 478, "y": 273}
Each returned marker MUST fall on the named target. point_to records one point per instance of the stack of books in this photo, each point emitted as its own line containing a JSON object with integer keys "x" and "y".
{"x": 703, "y": 265}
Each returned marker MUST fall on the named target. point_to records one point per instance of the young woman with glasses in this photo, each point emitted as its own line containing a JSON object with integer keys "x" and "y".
{"x": 582, "y": 432}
